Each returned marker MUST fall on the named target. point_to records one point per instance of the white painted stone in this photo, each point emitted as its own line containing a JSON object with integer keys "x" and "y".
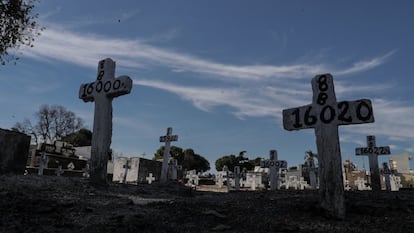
{"x": 43, "y": 161}
{"x": 237, "y": 177}
{"x": 325, "y": 114}
{"x": 102, "y": 91}
{"x": 167, "y": 139}
{"x": 253, "y": 182}
{"x": 360, "y": 183}
{"x": 372, "y": 151}
{"x": 220, "y": 180}
{"x": 150, "y": 178}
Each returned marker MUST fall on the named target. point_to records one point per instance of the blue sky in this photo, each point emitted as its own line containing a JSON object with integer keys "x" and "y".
{"x": 221, "y": 72}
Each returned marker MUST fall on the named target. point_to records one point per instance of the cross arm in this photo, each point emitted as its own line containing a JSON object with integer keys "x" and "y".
{"x": 120, "y": 86}
{"x": 299, "y": 118}
{"x": 111, "y": 88}
{"x": 382, "y": 150}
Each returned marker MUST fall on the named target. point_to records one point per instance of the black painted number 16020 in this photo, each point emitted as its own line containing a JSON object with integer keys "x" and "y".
{"x": 328, "y": 114}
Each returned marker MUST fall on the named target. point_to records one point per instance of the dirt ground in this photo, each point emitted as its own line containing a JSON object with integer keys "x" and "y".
{"x": 61, "y": 204}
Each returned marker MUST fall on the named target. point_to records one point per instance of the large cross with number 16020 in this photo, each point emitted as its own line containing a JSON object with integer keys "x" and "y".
{"x": 102, "y": 91}
{"x": 325, "y": 114}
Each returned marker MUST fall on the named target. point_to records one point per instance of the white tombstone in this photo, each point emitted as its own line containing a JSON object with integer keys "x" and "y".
{"x": 220, "y": 180}
{"x": 293, "y": 182}
{"x": 173, "y": 168}
{"x": 226, "y": 169}
{"x": 237, "y": 177}
{"x": 274, "y": 171}
{"x": 395, "y": 183}
{"x": 386, "y": 172}
{"x": 150, "y": 178}
{"x": 102, "y": 91}
{"x": 360, "y": 183}
{"x": 253, "y": 182}
{"x": 372, "y": 151}
{"x": 325, "y": 114}
{"x": 43, "y": 161}
{"x": 302, "y": 183}
{"x": 167, "y": 139}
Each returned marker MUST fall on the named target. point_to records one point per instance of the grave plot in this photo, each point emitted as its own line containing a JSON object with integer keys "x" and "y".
{"x": 372, "y": 151}
{"x": 102, "y": 91}
{"x": 325, "y": 114}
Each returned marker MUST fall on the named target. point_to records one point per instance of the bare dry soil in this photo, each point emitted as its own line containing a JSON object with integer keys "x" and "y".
{"x": 61, "y": 204}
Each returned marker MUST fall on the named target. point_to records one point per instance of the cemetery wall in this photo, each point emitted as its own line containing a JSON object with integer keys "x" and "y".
{"x": 14, "y": 150}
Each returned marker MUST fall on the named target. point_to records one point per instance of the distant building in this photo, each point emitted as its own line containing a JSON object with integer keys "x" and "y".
{"x": 401, "y": 163}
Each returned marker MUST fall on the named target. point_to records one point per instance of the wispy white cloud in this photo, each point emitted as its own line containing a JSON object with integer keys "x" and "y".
{"x": 365, "y": 65}
{"x": 87, "y": 49}
{"x": 262, "y": 90}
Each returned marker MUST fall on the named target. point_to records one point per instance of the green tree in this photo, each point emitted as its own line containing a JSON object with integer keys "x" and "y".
{"x": 82, "y": 137}
{"x": 232, "y": 160}
{"x": 18, "y": 26}
{"x": 187, "y": 158}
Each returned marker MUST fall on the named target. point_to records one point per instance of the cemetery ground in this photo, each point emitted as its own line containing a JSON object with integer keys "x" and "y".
{"x": 62, "y": 204}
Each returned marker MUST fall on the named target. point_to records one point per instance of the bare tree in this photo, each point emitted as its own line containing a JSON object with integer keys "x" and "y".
{"x": 53, "y": 123}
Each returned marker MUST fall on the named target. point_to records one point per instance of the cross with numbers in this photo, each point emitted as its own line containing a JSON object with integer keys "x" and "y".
{"x": 102, "y": 91}
{"x": 167, "y": 139}
{"x": 325, "y": 114}
{"x": 372, "y": 151}
{"x": 274, "y": 165}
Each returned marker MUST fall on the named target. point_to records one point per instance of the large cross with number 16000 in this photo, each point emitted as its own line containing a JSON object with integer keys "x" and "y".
{"x": 102, "y": 91}
{"x": 325, "y": 114}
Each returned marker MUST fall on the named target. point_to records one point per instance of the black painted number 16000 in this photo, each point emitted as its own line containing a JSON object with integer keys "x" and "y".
{"x": 328, "y": 114}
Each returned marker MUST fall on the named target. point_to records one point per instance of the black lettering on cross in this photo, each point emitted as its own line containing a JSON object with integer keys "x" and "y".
{"x": 325, "y": 114}
{"x": 372, "y": 151}
{"x": 167, "y": 139}
{"x": 102, "y": 91}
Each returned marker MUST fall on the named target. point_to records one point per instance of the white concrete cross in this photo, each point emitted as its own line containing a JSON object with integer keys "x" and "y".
{"x": 43, "y": 160}
{"x": 226, "y": 169}
{"x": 127, "y": 167}
{"x": 386, "y": 172}
{"x": 167, "y": 139}
{"x": 274, "y": 170}
{"x": 220, "y": 180}
{"x": 372, "y": 151}
{"x": 302, "y": 183}
{"x": 237, "y": 177}
{"x": 150, "y": 178}
{"x": 325, "y": 114}
{"x": 102, "y": 91}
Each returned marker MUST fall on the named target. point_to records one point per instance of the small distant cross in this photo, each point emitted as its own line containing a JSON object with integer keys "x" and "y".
{"x": 237, "y": 177}
{"x": 325, "y": 114}
{"x": 274, "y": 165}
{"x": 167, "y": 139}
{"x": 372, "y": 151}
{"x": 43, "y": 160}
{"x": 150, "y": 178}
{"x": 102, "y": 91}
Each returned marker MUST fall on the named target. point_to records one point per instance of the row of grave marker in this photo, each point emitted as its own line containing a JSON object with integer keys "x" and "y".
{"x": 324, "y": 114}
